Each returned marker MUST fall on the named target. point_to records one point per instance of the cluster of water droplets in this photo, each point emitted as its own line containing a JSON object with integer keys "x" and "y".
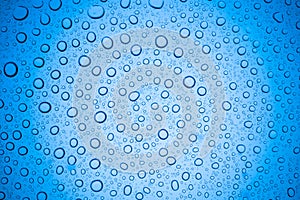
{"x": 149, "y": 100}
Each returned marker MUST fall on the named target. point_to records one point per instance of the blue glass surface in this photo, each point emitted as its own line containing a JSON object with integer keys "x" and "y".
{"x": 157, "y": 99}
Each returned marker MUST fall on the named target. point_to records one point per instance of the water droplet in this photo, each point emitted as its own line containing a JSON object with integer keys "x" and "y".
{"x": 66, "y": 23}
{"x": 163, "y": 134}
{"x": 100, "y": 117}
{"x": 10, "y": 69}
{"x": 189, "y": 81}
{"x": 44, "y": 107}
{"x": 161, "y": 41}
{"x": 107, "y": 42}
{"x": 291, "y": 192}
{"x": 59, "y": 153}
{"x": 21, "y": 37}
{"x": 278, "y": 17}
{"x": 184, "y": 32}
{"x": 96, "y": 185}
{"x": 157, "y": 4}
{"x": 125, "y": 3}
{"x": 55, "y": 5}
{"x": 136, "y": 50}
{"x": 20, "y": 13}
{"x": 96, "y": 12}
{"x": 84, "y": 61}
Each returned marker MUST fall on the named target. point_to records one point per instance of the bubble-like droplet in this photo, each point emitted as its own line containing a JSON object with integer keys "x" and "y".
{"x": 125, "y": 3}
{"x": 278, "y": 17}
{"x": 241, "y": 148}
{"x": 96, "y": 71}
{"x": 125, "y": 38}
{"x": 248, "y": 124}
{"x": 201, "y": 91}
{"x": 100, "y": 117}
{"x": 55, "y": 5}
{"x": 163, "y": 134}
{"x": 127, "y": 190}
{"x": 265, "y": 88}
{"x": 171, "y": 160}
{"x": 20, "y": 13}
{"x": 111, "y": 72}
{"x": 206, "y": 49}
{"x": 127, "y": 149}
{"x": 107, "y": 42}
{"x": 94, "y": 163}
{"x": 291, "y": 192}
{"x": 41, "y": 196}
{"x": 221, "y": 4}
{"x": 91, "y": 37}
{"x": 273, "y": 134}
{"x": 226, "y": 105}
{"x": 72, "y": 112}
{"x": 23, "y": 150}
{"x": 184, "y": 32}
{"x": 102, "y": 91}
{"x": 199, "y": 34}
{"x": 198, "y": 162}
{"x": 45, "y": 19}
{"x": 298, "y": 25}
{"x": 174, "y": 185}
{"x": 161, "y": 41}
{"x": 1, "y": 103}
{"x": 44, "y": 107}
{"x": 189, "y": 81}
{"x": 96, "y": 12}
{"x": 133, "y": 19}
{"x": 95, "y": 143}
{"x": 133, "y": 96}
{"x": 21, "y": 37}
{"x": 136, "y": 50}
{"x": 59, "y": 153}
{"x": 221, "y": 21}
{"x": 96, "y": 185}
{"x": 66, "y": 23}
{"x": 157, "y": 4}
{"x": 241, "y": 50}
{"x": 10, "y": 69}
{"x": 84, "y": 61}
{"x": 38, "y": 62}
{"x": 178, "y": 52}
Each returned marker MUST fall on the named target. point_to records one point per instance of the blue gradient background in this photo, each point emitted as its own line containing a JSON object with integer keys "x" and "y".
{"x": 269, "y": 30}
